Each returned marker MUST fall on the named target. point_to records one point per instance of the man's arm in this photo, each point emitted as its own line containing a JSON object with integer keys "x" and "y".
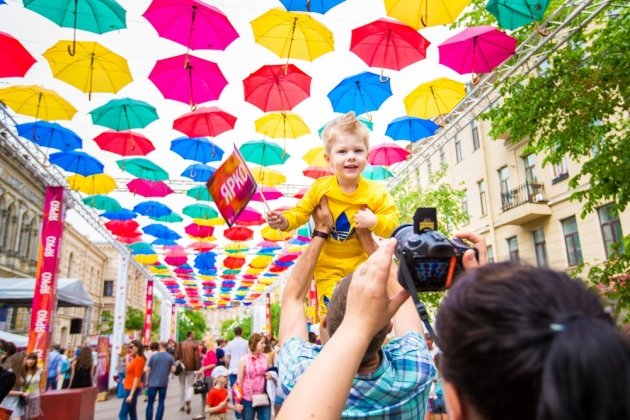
{"x": 292, "y": 318}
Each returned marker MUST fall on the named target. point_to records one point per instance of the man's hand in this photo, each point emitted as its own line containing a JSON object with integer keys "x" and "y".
{"x": 322, "y": 216}
{"x": 277, "y": 220}
{"x": 364, "y": 218}
{"x": 469, "y": 261}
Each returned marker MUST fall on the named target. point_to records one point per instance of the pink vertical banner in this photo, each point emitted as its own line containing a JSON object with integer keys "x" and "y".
{"x": 45, "y": 294}
{"x": 148, "y": 313}
{"x": 173, "y": 322}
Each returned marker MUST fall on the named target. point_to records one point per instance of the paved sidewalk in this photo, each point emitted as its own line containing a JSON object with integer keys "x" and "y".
{"x": 108, "y": 410}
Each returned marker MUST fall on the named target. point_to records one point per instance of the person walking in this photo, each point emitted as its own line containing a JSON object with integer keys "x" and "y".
{"x": 190, "y": 357}
{"x": 158, "y": 368}
{"x": 133, "y": 381}
{"x": 54, "y": 368}
{"x": 208, "y": 363}
{"x": 234, "y": 351}
{"x": 82, "y": 369}
{"x": 252, "y": 373}
{"x": 31, "y": 377}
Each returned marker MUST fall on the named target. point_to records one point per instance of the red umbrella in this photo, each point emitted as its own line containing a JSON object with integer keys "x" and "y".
{"x": 233, "y": 262}
{"x": 188, "y": 79}
{"x": 129, "y": 239}
{"x": 387, "y": 154}
{"x": 199, "y": 231}
{"x": 15, "y": 59}
{"x": 388, "y": 44}
{"x": 122, "y": 227}
{"x": 238, "y": 233}
{"x": 147, "y": 188}
{"x": 202, "y": 122}
{"x": 124, "y": 143}
{"x": 316, "y": 172}
{"x": 300, "y": 193}
{"x": 202, "y": 246}
{"x": 193, "y": 24}
{"x": 277, "y": 87}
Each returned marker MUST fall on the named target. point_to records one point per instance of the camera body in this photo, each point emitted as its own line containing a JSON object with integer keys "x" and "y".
{"x": 428, "y": 260}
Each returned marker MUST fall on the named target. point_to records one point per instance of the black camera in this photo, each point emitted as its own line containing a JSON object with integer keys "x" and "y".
{"x": 428, "y": 260}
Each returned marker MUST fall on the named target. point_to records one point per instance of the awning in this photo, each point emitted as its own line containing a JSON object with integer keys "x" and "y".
{"x": 20, "y": 341}
{"x": 19, "y": 292}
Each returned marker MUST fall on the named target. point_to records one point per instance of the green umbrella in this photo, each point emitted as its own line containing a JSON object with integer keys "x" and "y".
{"x": 169, "y": 218}
{"x": 376, "y": 173}
{"x": 102, "y": 202}
{"x": 367, "y": 123}
{"x": 263, "y": 153}
{"x": 513, "y": 14}
{"x": 140, "y": 246}
{"x": 143, "y": 168}
{"x": 200, "y": 211}
{"x": 124, "y": 114}
{"x": 199, "y": 193}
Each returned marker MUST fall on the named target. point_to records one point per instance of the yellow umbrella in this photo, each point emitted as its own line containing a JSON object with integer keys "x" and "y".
{"x": 292, "y": 34}
{"x": 282, "y": 125}
{"x": 437, "y": 97}
{"x": 261, "y": 261}
{"x": 268, "y": 177}
{"x": 35, "y": 101}
{"x": 315, "y": 157}
{"x": 215, "y": 221}
{"x": 146, "y": 259}
{"x": 93, "y": 68}
{"x": 272, "y": 234}
{"x": 423, "y": 13}
{"x": 254, "y": 271}
{"x": 93, "y": 184}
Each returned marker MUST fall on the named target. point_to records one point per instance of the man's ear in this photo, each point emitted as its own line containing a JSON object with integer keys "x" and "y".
{"x": 453, "y": 401}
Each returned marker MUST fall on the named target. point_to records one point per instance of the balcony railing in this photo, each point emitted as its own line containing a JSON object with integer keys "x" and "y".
{"x": 527, "y": 193}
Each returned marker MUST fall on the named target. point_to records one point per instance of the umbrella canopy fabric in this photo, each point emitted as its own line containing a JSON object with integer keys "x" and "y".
{"x": 316, "y": 157}
{"x": 282, "y": 125}
{"x": 51, "y": 135}
{"x": 15, "y": 59}
{"x": 263, "y": 153}
{"x": 266, "y": 193}
{"x": 78, "y": 162}
{"x": 93, "y": 184}
{"x": 268, "y": 177}
{"x": 425, "y": 13}
{"x": 92, "y": 68}
{"x": 205, "y": 121}
{"x": 317, "y": 171}
{"x": 120, "y": 214}
{"x": 387, "y": 154}
{"x": 292, "y": 34}
{"x": 160, "y": 231}
{"x": 437, "y": 97}
{"x": 361, "y": 93}
{"x": 410, "y": 128}
{"x": 143, "y": 168}
{"x": 238, "y": 233}
{"x": 102, "y": 202}
{"x": 98, "y": 16}
{"x": 200, "y": 211}
{"x": 199, "y": 149}
{"x": 198, "y": 172}
{"x": 477, "y": 50}
{"x": 124, "y": 114}
{"x": 35, "y": 101}
{"x": 388, "y": 44}
{"x": 194, "y": 24}
{"x": 200, "y": 193}
{"x": 277, "y": 87}
{"x": 147, "y": 188}
{"x": 152, "y": 208}
{"x": 124, "y": 143}
{"x": 512, "y": 14}
{"x": 376, "y": 173}
{"x": 188, "y": 79}
{"x": 316, "y": 6}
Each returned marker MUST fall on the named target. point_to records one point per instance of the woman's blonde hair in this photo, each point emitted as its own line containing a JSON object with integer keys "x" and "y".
{"x": 210, "y": 342}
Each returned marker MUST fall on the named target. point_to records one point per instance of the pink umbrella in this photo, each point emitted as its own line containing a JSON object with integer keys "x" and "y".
{"x": 124, "y": 143}
{"x": 188, "y": 79}
{"x": 176, "y": 259}
{"x": 477, "y": 50}
{"x": 250, "y": 217}
{"x": 199, "y": 231}
{"x": 202, "y": 122}
{"x": 147, "y": 188}
{"x": 193, "y": 24}
{"x": 387, "y": 154}
{"x": 202, "y": 246}
{"x": 268, "y": 193}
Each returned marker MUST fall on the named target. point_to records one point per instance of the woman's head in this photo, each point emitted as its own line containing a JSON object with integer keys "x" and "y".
{"x": 209, "y": 342}
{"x": 30, "y": 362}
{"x": 136, "y": 348}
{"x": 256, "y": 343}
{"x": 540, "y": 341}
{"x": 84, "y": 359}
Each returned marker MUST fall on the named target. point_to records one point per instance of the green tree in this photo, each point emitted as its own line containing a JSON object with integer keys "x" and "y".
{"x": 134, "y": 320}
{"x": 189, "y": 320}
{"x": 106, "y": 325}
{"x": 227, "y": 327}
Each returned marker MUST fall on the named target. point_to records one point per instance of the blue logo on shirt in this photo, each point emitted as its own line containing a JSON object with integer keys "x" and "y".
{"x": 343, "y": 230}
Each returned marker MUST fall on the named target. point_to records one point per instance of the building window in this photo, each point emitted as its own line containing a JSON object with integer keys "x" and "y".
{"x": 611, "y": 228}
{"x": 529, "y": 162}
{"x": 25, "y": 237}
{"x": 429, "y": 168}
{"x": 540, "y": 247}
{"x": 475, "y": 135}
{"x": 442, "y": 155}
{"x": 572, "y": 241}
{"x": 481, "y": 185}
{"x": 458, "y": 149}
{"x": 490, "y": 254}
{"x": 464, "y": 202}
{"x": 560, "y": 171}
{"x": 513, "y": 248}
{"x": 108, "y": 288}
{"x": 504, "y": 184}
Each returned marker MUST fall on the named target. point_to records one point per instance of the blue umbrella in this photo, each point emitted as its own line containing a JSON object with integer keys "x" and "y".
{"x": 122, "y": 214}
{"x": 78, "y": 162}
{"x": 152, "y": 208}
{"x": 52, "y": 135}
{"x": 410, "y": 128}
{"x": 164, "y": 242}
{"x": 160, "y": 231}
{"x": 316, "y": 6}
{"x": 199, "y": 149}
{"x": 205, "y": 260}
{"x": 361, "y": 93}
{"x": 198, "y": 172}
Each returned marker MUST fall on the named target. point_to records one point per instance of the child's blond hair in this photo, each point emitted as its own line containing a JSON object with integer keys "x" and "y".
{"x": 346, "y": 124}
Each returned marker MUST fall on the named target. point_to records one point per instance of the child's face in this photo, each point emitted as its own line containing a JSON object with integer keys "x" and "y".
{"x": 222, "y": 381}
{"x": 347, "y": 157}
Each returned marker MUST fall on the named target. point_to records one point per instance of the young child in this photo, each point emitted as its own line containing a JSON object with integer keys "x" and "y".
{"x": 217, "y": 403}
{"x": 354, "y": 202}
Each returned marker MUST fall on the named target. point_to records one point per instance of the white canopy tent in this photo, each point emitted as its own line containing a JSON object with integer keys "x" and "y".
{"x": 20, "y": 341}
{"x": 19, "y": 292}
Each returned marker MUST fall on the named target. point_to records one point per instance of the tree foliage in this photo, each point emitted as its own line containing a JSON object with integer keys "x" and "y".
{"x": 134, "y": 320}
{"x": 227, "y": 326}
{"x": 189, "y": 320}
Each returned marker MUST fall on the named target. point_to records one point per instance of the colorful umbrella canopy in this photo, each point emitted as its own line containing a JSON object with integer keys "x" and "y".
{"x": 15, "y": 59}
{"x": 238, "y": 233}
{"x": 124, "y": 114}
{"x": 387, "y": 154}
{"x": 52, "y": 135}
{"x": 168, "y": 218}
{"x": 437, "y": 97}
{"x": 208, "y": 121}
{"x": 148, "y": 188}
{"x": 316, "y": 157}
{"x": 194, "y": 24}
{"x": 424, "y": 13}
{"x": 143, "y": 168}
{"x": 200, "y": 193}
{"x": 250, "y": 217}
{"x": 292, "y": 34}
{"x": 78, "y": 162}
{"x": 388, "y": 44}
{"x": 361, "y": 93}
{"x": 263, "y": 153}
{"x": 102, "y": 202}
{"x": 92, "y": 68}
{"x": 198, "y": 172}
{"x": 277, "y": 87}
{"x": 200, "y": 211}
{"x": 199, "y": 231}
{"x": 199, "y": 149}
{"x": 120, "y": 214}
{"x": 282, "y": 125}
{"x": 268, "y": 177}
{"x": 152, "y": 209}
{"x": 160, "y": 231}
{"x": 512, "y": 14}
{"x": 376, "y": 173}
{"x": 124, "y": 143}
{"x": 270, "y": 234}
{"x": 410, "y": 128}
{"x": 477, "y": 50}
{"x": 316, "y": 6}
{"x": 188, "y": 79}
{"x": 35, "y": 101}
{"x": 317, "y": 171}
{"x": 93, "y": 184}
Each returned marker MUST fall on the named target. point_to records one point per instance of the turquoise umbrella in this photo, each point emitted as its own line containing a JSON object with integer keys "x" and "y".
{"x": 199, "y": 193}
{"x": 263, "y": 153}
{"x": 124, "y": 114}
{"x": 376, "y": 173}
{"x": 143, "y": 168}
{"x": 512, "y": 14}
{"x": 102, "y": 202}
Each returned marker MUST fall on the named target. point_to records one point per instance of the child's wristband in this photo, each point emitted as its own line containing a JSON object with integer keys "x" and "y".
{"x": 321, "y": 234}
